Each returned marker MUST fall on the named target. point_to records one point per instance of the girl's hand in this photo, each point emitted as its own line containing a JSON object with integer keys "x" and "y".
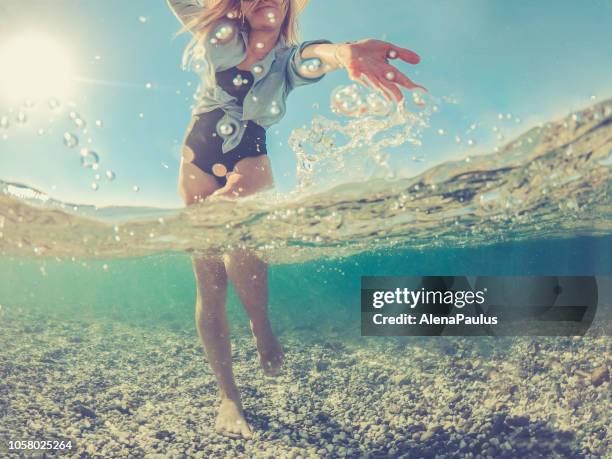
{"x": 370, "y": 58}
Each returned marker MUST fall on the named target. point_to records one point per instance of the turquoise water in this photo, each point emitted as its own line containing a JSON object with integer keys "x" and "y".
{"x": 322, "y": 295}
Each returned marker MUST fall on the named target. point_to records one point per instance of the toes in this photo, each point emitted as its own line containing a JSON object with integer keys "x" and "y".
{"x": 235, "y": 428}
{"x": 238, "y": 430}
{"x": 245, "y": 431}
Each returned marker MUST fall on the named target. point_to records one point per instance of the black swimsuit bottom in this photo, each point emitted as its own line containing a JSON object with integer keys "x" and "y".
{"x": 202, "y": 137}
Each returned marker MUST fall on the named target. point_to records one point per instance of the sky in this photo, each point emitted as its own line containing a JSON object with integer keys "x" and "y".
{"x": 532, "y": 60}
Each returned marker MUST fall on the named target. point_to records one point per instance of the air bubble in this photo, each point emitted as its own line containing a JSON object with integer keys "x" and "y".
{"x": 226, "y": 129}
{"x": 347, "y": 101}
{"x": 78, "y": 121}
{"x": 110, "y": 175}
{"x": 89, "y": 158}
{"x": 418, "y": 99}
{"x": 53, "y": 103}
{"x": 99, "y": 123}
{"x": 142, "y": 19}
{"x": 224, "y": 32}
{"x": 21, "y": 117}
{"x": 70, "y": 140}
{"x": 136, "y": 188}
{"x": 4, "y": 122}
{"x": 94, "y": 186}
{"x": 377, "y": 105}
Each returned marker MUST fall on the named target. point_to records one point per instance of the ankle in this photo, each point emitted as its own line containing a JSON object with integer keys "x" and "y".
{"x": 231, "y": 396}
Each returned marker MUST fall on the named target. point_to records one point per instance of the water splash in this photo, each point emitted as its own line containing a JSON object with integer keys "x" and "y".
{"x": 553, "y": 181}
{"x": 326, "y": 145}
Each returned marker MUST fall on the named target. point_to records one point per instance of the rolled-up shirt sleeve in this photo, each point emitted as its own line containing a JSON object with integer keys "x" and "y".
{"x": 294, "y": 79}
{"x": 184, "y": 10}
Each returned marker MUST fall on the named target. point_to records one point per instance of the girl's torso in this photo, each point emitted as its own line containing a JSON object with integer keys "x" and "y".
{"x": 204, "y": 139}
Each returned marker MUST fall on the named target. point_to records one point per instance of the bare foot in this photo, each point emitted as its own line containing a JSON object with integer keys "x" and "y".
{"x": 271, "y": 355}
{"x": 230, "y": 420}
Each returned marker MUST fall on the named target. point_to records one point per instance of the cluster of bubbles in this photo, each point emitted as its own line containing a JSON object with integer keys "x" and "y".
{"x": 223, "y": 33}
{"x": 274, "y": 108}
{"x": 88, "y": 157}
{"x": 374, "y": 125}
{"x": 354, "y": 101}
{"x": 239, "y": 80}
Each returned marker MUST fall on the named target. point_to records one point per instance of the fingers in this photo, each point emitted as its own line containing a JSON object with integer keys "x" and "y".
{"x": 402, "y": 79}
{"x": 392, "y": 88}
{"x": 360, "y": 78}
{"x": 405, "y": 54}
{"x": 387, "y": 89}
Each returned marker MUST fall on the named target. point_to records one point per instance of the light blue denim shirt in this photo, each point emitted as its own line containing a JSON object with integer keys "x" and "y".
{"x": 275, "y": 77}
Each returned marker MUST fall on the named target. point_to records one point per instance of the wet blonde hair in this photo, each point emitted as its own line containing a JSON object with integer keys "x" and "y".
{"x": 216, "y": 10}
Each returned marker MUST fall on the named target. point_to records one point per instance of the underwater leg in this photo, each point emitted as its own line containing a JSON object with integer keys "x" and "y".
{"x": 249, "y": 276}
{"x": 213, "y": 328}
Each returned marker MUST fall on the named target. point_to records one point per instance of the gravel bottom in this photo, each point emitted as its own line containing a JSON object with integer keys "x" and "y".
{"x": 116, "y": 390}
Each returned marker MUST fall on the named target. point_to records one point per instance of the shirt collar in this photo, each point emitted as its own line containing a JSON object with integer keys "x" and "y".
{"x": 261, "y": 68}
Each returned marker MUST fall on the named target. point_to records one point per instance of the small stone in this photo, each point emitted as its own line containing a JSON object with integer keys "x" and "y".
{"x": 400, "y": 380}
{"x": 517, "y": 421}
{"x": 84, "y": 411}
{"x": 427, "y": 435}
{"x": 164, "y": 435}
{"x": 600, "y": 375}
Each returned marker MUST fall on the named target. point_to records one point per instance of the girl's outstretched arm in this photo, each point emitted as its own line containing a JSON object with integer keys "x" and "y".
{"x": 367, "y": 58}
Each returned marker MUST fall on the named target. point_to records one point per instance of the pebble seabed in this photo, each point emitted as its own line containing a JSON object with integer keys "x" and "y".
{"x": 117, "y": 390}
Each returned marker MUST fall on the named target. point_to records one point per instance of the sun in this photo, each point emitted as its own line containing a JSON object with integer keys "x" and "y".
{"x": 34, "y": 66}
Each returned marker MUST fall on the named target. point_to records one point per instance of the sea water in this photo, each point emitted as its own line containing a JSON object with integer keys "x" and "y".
{"x": 99, "y": 344}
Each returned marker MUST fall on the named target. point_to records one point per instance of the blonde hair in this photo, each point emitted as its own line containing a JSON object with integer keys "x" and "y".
{"x": 216, "y": 10}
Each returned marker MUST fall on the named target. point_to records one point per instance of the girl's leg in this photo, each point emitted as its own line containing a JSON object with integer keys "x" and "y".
{"x": 249, "y": 275}
{"x": 213, "y": 328}
{"x": 211, "y": 319}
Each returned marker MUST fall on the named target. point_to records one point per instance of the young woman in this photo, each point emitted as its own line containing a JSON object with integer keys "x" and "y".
{"x": 249, "y": 58}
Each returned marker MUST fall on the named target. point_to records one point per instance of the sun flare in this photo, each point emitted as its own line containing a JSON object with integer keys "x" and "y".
{"x": 34, "y": 66}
